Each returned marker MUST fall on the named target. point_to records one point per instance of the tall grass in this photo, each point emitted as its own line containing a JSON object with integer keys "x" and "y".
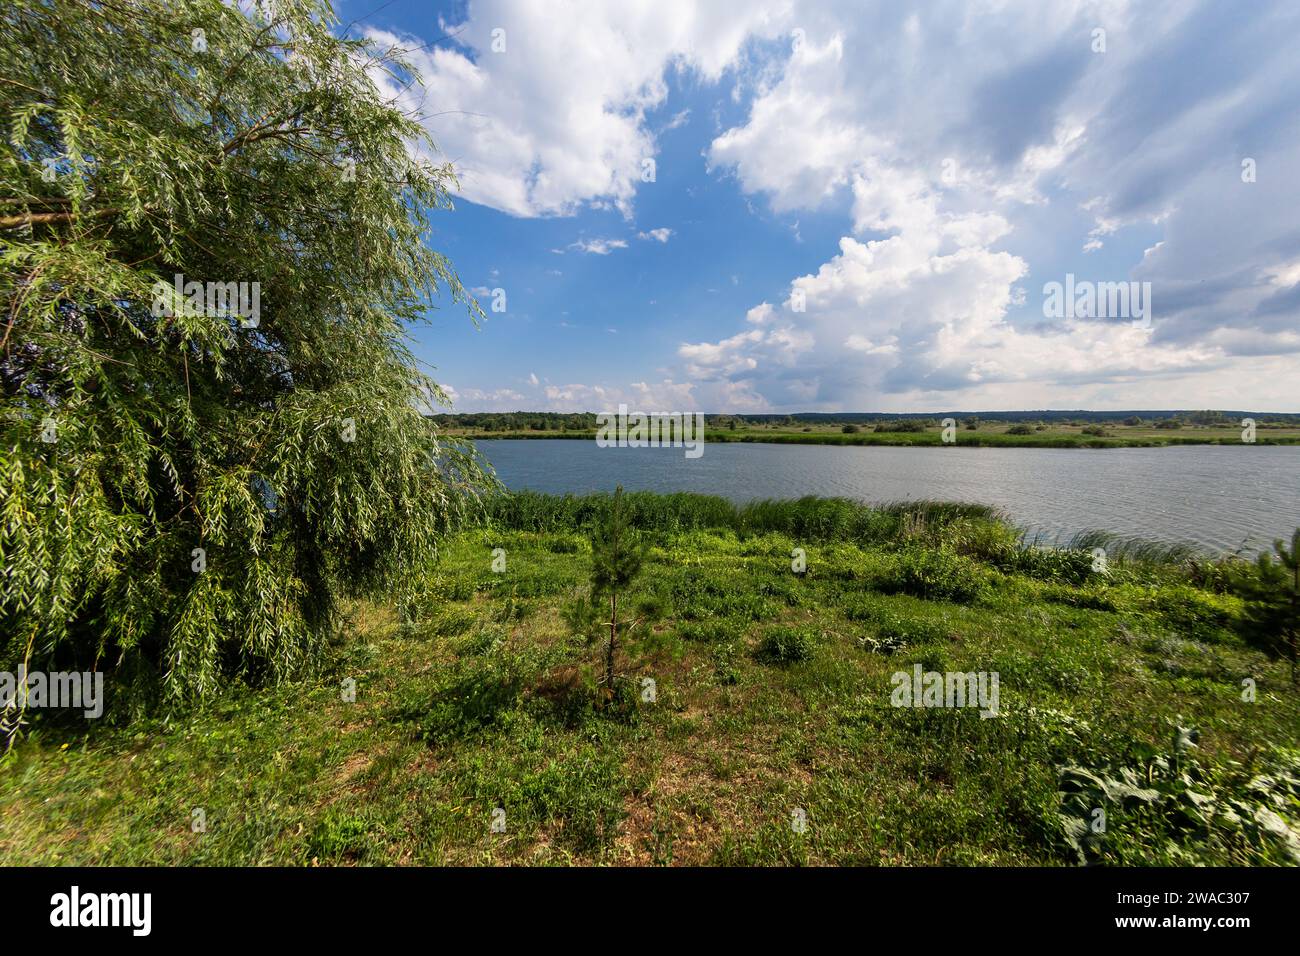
{"x": 1134, "y": 549}
{"x": 650, "y": 511}
{"x": 809, "y": 518}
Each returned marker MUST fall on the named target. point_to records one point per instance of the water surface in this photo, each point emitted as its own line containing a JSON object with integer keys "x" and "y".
{"x": 1220, "y": 497}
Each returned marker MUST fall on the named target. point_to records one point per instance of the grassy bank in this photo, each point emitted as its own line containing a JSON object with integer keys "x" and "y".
{"x": 1119, "y": 691}
{"x": 1053, "y": 437}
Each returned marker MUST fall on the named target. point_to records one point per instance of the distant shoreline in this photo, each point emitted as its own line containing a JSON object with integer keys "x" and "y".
{"x": 989, "y": 439}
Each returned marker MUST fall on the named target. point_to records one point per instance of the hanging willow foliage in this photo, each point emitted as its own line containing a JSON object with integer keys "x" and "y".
{"x": 190, "y": 486}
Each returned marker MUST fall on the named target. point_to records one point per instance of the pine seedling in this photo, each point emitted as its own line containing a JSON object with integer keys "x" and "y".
{"x": 1272, "y": 596}
{"x": 617, "y": 554}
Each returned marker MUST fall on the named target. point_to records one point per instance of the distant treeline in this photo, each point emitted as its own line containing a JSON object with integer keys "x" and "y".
{"x": 520, "y": 421}
{"x": 586, "y": 421}
{"x": 1133, "y": 416}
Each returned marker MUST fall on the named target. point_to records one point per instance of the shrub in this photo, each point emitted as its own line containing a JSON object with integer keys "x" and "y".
{"x": 1020, "y": 430}
{"x": 1068, "y": 565}
{"x": 936, "y": 574}
{"x": 452, "y": 621}
{"x": 563, "y": 544}
{"x": 892, "y": 631}
{"x": 511, "y": 610}
{"x": 903, "y": 425}
{"x": 745, "y": 605}
{"x": 474, "y": 696}
{"x": 708, "y": 631}
{"x": 787, "y": 645}
{"x": 341, "y": 836}
{"x": 783, "y": 590}
{"x": 1194, "y": 613}
{"x": 1089, "y": 598}
{"x": 726, "y": 669}
{"x": 979, "y": 538}
{"x": 1272, "y": 597}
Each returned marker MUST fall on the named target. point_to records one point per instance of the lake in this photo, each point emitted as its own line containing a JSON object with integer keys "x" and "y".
{"x": 1218, "y": 497}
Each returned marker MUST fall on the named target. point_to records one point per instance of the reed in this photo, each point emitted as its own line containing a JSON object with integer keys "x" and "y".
{"x": 809, "y": 518}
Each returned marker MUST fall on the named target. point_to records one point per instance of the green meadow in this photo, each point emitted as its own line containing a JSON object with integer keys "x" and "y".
{"x": 752, "y": 723}
{"x": 1007, "y": 430}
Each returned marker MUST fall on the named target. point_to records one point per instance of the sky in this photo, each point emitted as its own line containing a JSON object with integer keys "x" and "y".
{"x": 839, "y": 205}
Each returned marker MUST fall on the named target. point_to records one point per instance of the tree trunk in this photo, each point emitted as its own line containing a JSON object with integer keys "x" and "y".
{"x": 613, "y": 632}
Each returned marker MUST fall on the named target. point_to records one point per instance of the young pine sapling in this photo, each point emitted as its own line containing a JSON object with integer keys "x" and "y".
{"x": 1272, "y": 596}
{"x": 617, "y": 554}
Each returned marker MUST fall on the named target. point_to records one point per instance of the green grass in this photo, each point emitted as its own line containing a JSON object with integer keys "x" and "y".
{"x": 989, "y": 434}
{"x": 772, "y": 694}
{"x": 808, "y": 518}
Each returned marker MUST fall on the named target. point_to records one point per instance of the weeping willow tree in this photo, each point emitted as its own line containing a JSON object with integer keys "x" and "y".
{"x": 213, "y": 243}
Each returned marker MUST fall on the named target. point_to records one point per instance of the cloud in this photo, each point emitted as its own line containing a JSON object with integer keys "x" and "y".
{"x": 599, "y": 247}
{"x": 919, "y": 313}
{"x": 973, "y": 155}
{"x": 945, "y": 136}
{"x": 679, "y": 119}
{"x": 553, "y": 117}
{"x": 663, "y": 396}
{"x": 477, "y": 399}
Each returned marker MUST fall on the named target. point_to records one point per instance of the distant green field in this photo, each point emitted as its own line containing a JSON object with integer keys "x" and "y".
{"x": 1120, "y": 690}
{"x": 988, "y": 434}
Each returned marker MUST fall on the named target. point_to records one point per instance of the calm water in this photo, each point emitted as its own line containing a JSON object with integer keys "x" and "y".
{"x": 1219, "y": 497}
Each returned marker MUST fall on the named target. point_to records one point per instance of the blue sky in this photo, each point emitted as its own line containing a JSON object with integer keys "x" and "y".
{"x": 856, "y": 206}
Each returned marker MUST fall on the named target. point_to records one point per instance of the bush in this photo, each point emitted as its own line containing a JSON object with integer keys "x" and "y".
{"x": 1272, "y": 596}
{"x": 979, "y": 538}
{"x": 475, "y": 695}
{"x": 710, "y": 631}
{"x": 903, "y": 425}
{"x": 1194, "y": 613}
{"x": 787, "y": 645}
{"x": 1068, "y": 565}
{"x": 563, "y": 544}
{"x": 891, "y": 630}
{"x": 937, "y": 575}
{"x": 850, "y": 429}
{"x": 451, "y": 621}
{"x": 342, "y": 836}
{"x": 1020, "y": 430}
